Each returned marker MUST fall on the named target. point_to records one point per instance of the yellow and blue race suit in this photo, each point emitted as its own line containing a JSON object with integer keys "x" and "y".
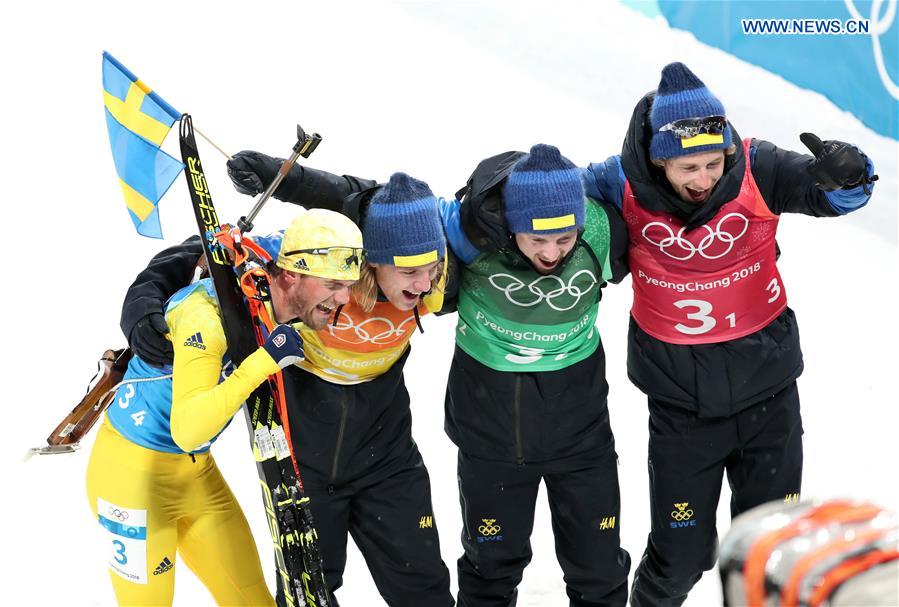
{"x": 151, "y": 481}
{"x": 351, "y": 435}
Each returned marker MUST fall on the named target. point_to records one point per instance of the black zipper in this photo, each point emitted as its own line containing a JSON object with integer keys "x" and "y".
{"x": 343, "y": 413}
{"x": 518, "y": 446}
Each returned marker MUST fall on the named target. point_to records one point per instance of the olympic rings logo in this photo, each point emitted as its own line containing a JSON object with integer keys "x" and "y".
{"x": 376, "y": 330}
{"x": 682, "y": 516}
{"x": 512, "y": 285}
{"x": 489, "y": 528}
{"x": 682, "y": 513}
{"x": 119, "y": 514}
{"x": 879, "y": 26}
{"x": 728, "y": 238}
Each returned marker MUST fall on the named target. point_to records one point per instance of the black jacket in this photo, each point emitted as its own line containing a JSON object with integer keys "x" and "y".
{"x": 719, "y": 379}
{"x": 344, "y": 432}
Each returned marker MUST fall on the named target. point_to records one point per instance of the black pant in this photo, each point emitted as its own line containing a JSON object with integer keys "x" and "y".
{"x": 760, "y": 448}
{"x": 498, "y": 500}
{"x": 392, "y": 522}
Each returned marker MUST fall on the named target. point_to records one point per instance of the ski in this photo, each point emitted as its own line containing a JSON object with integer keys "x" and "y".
{"x": 297, "y": 556}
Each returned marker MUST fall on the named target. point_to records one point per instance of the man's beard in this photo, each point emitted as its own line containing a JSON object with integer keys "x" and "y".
{"x": 312, "y": 316}
{"x": 316, "y": 322}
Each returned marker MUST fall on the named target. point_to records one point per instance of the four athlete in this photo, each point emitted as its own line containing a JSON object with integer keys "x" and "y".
{"x": 688, "y": 207}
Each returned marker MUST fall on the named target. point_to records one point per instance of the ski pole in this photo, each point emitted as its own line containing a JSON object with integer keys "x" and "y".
{"x": 304, "y": 146}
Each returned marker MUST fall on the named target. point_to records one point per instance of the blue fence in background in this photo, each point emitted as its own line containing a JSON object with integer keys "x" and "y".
{"x": 858, "y": 72}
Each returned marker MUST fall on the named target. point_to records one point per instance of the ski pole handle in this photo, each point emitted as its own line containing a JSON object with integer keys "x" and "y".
{"x": 304, "y": 147}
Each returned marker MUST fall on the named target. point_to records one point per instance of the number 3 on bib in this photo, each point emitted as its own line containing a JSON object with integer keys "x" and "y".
{"x": 702, "y": 314}
{"x": 774, "y": 288}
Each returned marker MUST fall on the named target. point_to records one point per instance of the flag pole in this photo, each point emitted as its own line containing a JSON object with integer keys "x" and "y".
{"x": 213, "y": 144}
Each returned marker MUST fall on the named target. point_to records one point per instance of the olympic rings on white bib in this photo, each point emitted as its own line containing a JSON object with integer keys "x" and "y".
{"x": 512, "y": 285}
{"x": 711, "y": 237}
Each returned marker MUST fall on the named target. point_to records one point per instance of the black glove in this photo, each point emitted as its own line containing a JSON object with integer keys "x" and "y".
{"x": 251, "y": 172}
{"x": 148, "y": 341}
{"x": 284, "y": 345}
{"x": 837, "y": 165}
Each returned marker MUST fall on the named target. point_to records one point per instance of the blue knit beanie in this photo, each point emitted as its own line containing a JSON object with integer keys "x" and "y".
{"x": 402, "y": 226}
{"x": 682, "y": 95}
{"x": 543, "y": 193}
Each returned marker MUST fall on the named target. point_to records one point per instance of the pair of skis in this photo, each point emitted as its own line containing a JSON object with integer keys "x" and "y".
{"x": 244, "y": 317}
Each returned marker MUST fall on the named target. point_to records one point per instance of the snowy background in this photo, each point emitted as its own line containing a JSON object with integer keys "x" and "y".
{"x": 425, "y": 88}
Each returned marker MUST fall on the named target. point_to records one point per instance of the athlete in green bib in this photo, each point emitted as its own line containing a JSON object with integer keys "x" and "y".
{"x": 526, "y": 396}
{"x": 513, "y": 318}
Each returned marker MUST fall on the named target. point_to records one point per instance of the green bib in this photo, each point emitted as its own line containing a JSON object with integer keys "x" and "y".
{"x": 512, "y": 318}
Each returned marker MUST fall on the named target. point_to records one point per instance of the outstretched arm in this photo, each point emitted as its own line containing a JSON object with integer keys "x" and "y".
{"x": 838, "y": 180}
{"x": 252, "y": 172}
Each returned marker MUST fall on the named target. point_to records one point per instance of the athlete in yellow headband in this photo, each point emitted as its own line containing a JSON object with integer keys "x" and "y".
{"x": 151, "y": 481}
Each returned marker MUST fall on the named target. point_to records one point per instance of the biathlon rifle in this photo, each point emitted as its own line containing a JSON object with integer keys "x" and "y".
{"x": 66, "y": 438}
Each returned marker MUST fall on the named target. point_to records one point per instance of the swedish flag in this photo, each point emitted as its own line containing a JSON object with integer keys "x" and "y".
{"x": 138, "y": 120}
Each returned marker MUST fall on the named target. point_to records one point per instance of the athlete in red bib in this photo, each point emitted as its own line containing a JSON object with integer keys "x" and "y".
{"x": 712, "y": 341}
{"x": 715, "y": 283}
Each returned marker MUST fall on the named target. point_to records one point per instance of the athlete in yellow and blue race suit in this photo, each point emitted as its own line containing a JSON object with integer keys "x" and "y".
{"x": 152, "y": 483}
{"x": 347, "y": 402}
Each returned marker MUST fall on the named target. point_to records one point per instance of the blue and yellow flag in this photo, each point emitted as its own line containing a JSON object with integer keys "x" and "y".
{"x": 138, "y": 120}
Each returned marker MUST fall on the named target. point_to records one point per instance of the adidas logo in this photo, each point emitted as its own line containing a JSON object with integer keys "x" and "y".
{"x": 164, "y": 566}
{"x": 195, "y": 341}
{"x": 301, "y": 264}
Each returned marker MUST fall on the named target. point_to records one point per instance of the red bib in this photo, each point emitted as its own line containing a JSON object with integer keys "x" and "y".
{"x": 715, "y": 283}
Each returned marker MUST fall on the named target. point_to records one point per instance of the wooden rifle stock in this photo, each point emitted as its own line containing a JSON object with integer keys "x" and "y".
{"x": 70, "y": 431}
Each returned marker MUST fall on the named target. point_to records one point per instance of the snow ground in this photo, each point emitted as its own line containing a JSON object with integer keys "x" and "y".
{"x": 426, "y": 88}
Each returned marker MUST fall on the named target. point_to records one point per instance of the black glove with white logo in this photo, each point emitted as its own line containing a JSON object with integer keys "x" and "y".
{"x": 148, "y": 340}
{"x": 284, "y": 345}
{"x": 251, "y": 172}
{"x": 838, "y": 165}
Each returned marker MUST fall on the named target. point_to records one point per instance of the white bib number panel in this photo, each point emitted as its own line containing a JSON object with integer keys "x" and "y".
{"x": 126, "y": 536}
